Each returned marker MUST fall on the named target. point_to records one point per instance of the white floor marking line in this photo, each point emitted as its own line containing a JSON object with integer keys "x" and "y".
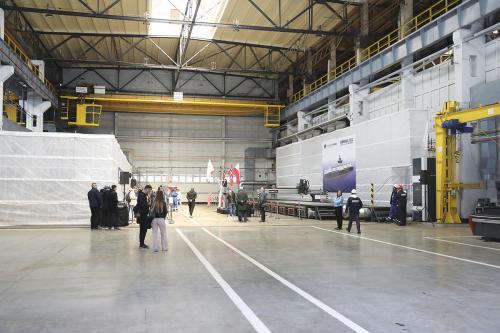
{"x": 457, "y": 237}
{"x": 349, "y": 323}
{"x": 410, "y": 248}
{"x": 252, "y": 318}
{"x": 471, "y": 245}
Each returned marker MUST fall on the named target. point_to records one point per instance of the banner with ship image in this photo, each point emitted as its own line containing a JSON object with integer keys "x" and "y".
{"x": 339, "y": 164}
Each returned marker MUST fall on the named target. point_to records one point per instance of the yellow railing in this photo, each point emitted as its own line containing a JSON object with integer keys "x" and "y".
{"x": 403, "y": 30}
{"x": 9, "y": 40}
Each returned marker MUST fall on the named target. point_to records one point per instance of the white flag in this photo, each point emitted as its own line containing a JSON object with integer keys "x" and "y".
{"x": 210, "y": 170}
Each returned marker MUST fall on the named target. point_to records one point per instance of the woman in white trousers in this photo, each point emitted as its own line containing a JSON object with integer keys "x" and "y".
{"x": 159, "y": 210}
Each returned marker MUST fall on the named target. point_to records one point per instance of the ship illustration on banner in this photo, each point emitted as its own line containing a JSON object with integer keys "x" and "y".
{"x": 339, "y": 164}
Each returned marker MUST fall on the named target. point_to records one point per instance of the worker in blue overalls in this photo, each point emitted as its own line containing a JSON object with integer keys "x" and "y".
{"x": 354, "y": 204}
{"x": 393, "y": 203}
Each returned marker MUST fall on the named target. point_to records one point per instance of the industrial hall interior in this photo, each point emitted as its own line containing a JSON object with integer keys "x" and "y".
{"x": 249, "y": 166}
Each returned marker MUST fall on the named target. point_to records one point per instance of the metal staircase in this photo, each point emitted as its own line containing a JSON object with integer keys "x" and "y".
{"x": 11, "y": 53}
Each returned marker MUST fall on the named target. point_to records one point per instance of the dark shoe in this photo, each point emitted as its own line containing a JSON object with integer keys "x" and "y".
{"x": 143, "y": 246}
{"x": 359, "y": 232}
{"x": 348, "y": 230}
{"x": 338, "y": 228}
{"x": 109, "y": 228}
{"x": 117, "y": 228}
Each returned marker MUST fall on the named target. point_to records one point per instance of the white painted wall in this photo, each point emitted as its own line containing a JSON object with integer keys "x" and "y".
{"x": 492, "y": 60}
{"x": 385, "y": 101}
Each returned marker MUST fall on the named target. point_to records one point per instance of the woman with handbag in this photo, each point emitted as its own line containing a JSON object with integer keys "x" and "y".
{"x": 158, "y": 213}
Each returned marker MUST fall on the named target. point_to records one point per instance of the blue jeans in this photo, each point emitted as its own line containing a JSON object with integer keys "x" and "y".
{"x": 232, "y": 209}
{"x": 392, "y": 211}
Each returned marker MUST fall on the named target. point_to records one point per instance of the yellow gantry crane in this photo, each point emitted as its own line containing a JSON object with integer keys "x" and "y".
{"x": 88, "y": 107}
{"x": 448, "y": 123}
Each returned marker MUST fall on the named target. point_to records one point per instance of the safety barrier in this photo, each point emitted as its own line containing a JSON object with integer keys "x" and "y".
{"x": 414, "y": 24}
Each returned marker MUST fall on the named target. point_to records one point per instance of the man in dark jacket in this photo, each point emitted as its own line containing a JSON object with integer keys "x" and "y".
{"x": 262, "y": 203}
{"x": 105, "y": 207}
{"x": 191, "y": 198}
{"x": 354, "y": 204}
{"x": 141, "y": 210}
{"x": 231, "y": 202}
{"x": 401, "y": 198}
{"x": 95, "y": 204}
{"x": 242, "y": 202}
{"x": 112, "y": 202}
{"x": 392, "y": 202}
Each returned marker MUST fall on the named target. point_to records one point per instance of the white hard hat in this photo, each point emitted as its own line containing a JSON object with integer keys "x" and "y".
{"x": 353, "y": 191}
{"x": 395, "y": 185}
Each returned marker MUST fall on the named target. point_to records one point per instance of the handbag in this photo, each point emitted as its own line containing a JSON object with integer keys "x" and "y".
{"x": 150, "y": 218}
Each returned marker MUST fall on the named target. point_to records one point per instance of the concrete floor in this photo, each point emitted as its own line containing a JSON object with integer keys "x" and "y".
{"x": 282, "y": 276}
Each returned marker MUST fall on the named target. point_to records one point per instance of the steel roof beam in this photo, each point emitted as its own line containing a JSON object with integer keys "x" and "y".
{"x": 84, "y": 4}
{"x": 184, "y": 40}
{"x": 341, "y": 2}
{"x": 118, "y": 64}
{"x": 220, "y": 25}
{"x": 129, "y": 35}
{"x": 260, "y": 10}
{"x": 105, "y": 10}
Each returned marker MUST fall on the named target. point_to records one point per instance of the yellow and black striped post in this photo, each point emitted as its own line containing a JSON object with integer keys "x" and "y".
{"x": 372, "y": 195}
{"x": 372, "y": 201}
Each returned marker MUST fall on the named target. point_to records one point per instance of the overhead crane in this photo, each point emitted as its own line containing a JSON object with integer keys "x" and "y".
{"x": 167, "y": 104}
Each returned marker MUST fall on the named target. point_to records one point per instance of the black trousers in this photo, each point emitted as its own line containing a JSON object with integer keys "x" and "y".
{"x": 338, "y": 215}
{"x": 242, "y": 215}
{"x": 262, "y": 213}
{"x": 94, "y": 217}
{"x": 401, "y": 215}
{"x": 354, "y": 217}
{"x": 191, "y": 207}
{"x": 112, "y": 220}
{"x": 143, "y": 229}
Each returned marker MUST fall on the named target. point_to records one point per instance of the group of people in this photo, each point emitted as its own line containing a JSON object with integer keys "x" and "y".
{"x": 103, "y": 207}
{"x": 240, "y": 205}
{"x": 151, "y": 211}
{"x": 352, "y": 208}
{"x": 397, "y": 212}
{"x": 149, "y": 208}
{"x": 172, "y": 198}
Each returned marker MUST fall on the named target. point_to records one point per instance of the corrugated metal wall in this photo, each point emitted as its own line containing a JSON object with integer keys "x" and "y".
{"x": 168, "y": 148}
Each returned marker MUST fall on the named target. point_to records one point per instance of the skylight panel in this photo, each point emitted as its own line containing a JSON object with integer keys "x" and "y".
{"x": 209, "y": 11}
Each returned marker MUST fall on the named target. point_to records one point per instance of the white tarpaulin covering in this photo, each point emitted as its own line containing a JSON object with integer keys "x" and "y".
{"x": 45, "y": 177}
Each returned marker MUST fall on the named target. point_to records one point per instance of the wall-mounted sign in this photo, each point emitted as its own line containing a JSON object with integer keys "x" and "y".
{"x": 81, "y": 90}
